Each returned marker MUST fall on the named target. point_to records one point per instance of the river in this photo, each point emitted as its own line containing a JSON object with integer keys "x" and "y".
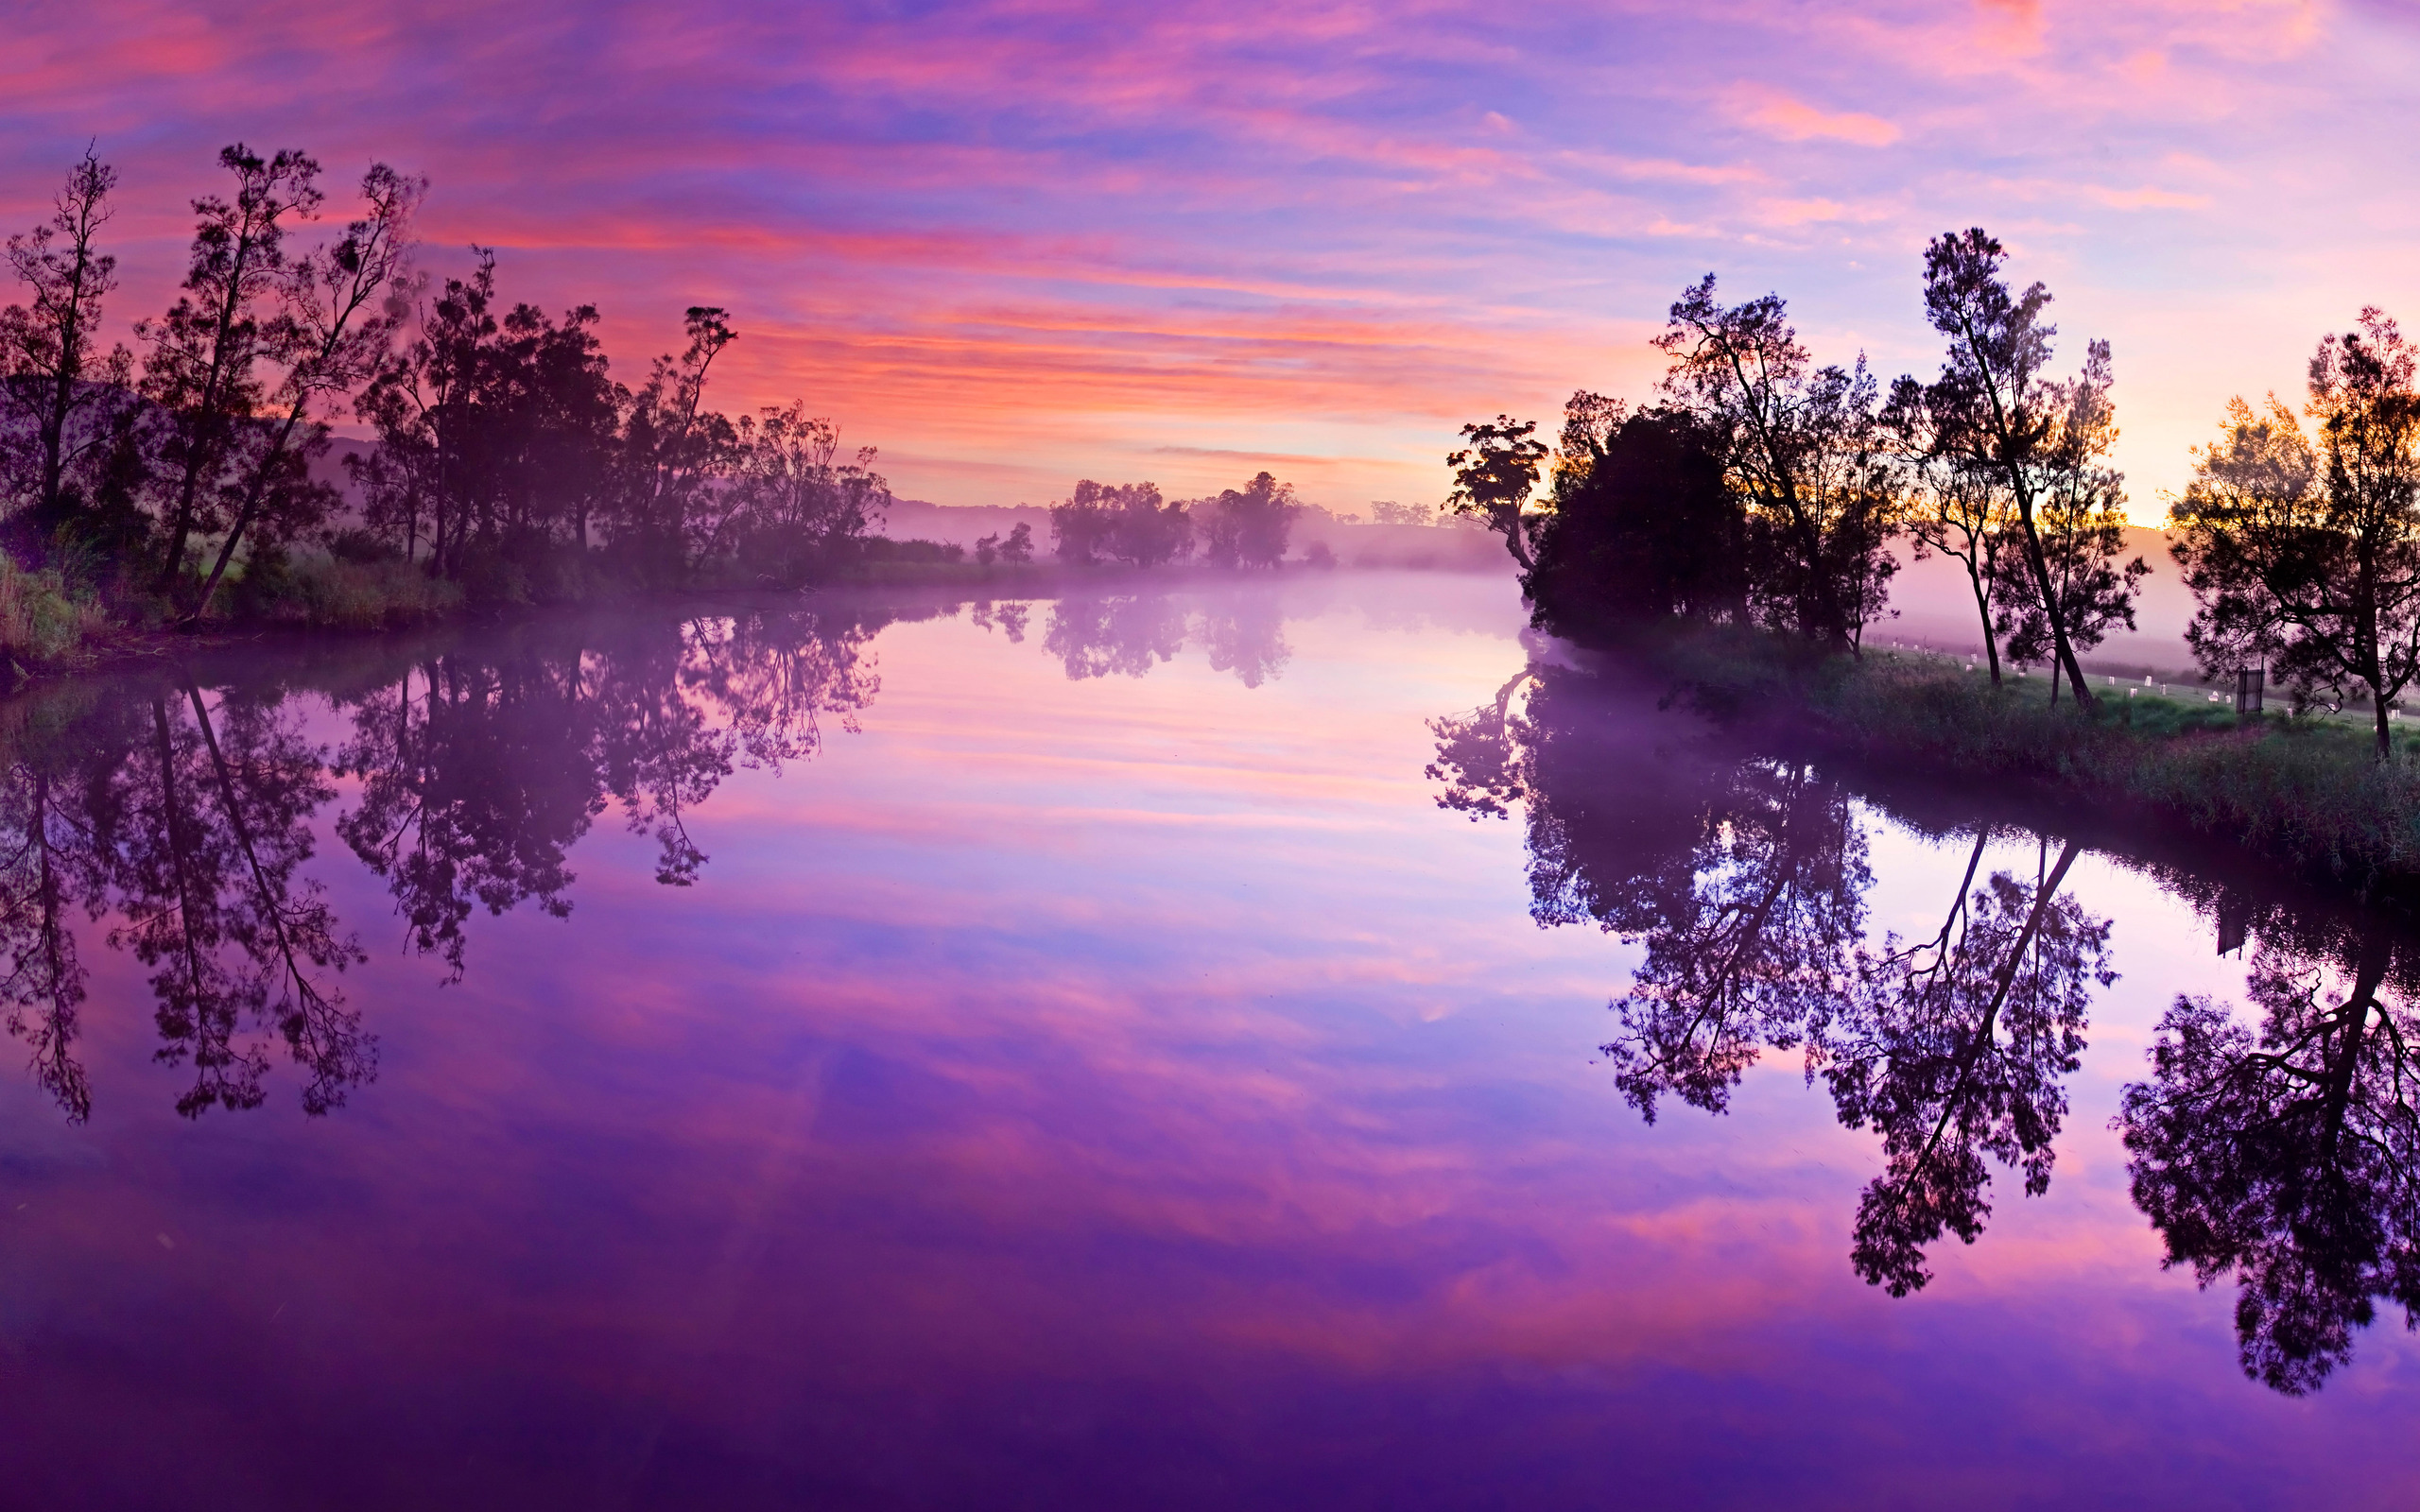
{"x": 897, "y": 1053}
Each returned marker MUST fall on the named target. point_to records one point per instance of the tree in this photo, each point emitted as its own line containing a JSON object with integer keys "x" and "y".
{"x": 789, "y": 503}
{"x": 1961, "y": 509}
{"x": 1996, "y": 411}
{"x": 202, "y": 368}
{"x": 339, "y": 308}
{"x": 1801, "y": 448}
{"x": 1640, "y": 525}
{"x": 2308, "y": 557}
{"x": 1493, "y": 477}
{"x": 1249, "y": 526}
{"x": 1018, "y": 548}
{"x": 1122, "y": 520}
{"x": 674, "y": 451}
{"x": 52, "y": 371}
{"x": 2079, "y": 525}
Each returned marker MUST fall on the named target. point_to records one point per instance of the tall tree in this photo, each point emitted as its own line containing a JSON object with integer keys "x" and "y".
{"x": 1959, "y": 509}
{"x": 203, "y": 366}
{"x": 339, "y": 308}
{"x": 1998, "y": 411}
{"x": 1493, "y": 477}
{"x": 2080, "y": 521}
{"x": 2308, "y": 556}
{"x": 1801, "y": 448}
{"x": 675, "y": 450}
{"x": 51, "y": 366}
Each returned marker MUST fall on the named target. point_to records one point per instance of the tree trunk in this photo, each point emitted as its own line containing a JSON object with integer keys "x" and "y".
{"x": 2052, "y": 610}
{"x": 1983, "y": 608}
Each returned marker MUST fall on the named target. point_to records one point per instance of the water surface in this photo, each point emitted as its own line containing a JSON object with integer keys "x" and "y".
{"x": 889, "y": 1053}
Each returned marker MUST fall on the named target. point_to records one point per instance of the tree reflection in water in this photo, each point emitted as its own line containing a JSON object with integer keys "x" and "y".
{"x": 2285, "y": 1151}
{"x": 1093, "y": 636}
{"x": 1744, "y": 880}
{"x": 185, "y": 820}
{"x": 2290, "y": 1153}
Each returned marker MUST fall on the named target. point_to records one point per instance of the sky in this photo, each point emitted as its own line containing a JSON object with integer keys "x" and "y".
{"x": 1016, "y": 244}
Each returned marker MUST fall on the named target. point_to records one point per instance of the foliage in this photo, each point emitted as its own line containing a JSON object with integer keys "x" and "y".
{"x": 1493, "y": 477}
{"x": 1250, "y": 526}
{"x": 1641, "y": 527}
{"x": 1125, "y": 523}
{"x": 2308, "y": 558}
{"x": 1803, "y": 449}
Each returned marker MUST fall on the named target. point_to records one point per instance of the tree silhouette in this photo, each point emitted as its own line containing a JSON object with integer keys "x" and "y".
{"x": 1804, "y": 450}
{"x": 2308, "y": 557}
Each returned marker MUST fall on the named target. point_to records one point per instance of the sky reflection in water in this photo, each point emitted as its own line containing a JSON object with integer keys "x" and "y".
{"x": 1103, "y": 1079}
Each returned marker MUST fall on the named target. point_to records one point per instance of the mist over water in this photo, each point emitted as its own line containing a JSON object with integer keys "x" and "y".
{"x": 896, "y": 1051}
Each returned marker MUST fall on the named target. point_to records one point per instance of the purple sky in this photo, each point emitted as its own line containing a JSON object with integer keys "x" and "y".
{"x": 1016, "y": 244}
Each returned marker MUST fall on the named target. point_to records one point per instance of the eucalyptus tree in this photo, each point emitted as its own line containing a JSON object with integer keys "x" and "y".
{"x": 1804, "y": 450}
{"x": 2080, "y": 524}
{"x": 2306, "y": 553}
{"x": 1957, "y": 510}
{"x": 1493, "y": 477}
{"x": 339, "y": 307}
{"x": 54, "y": 374}
{"x": 202, "y": 368}
{"x": 1998, "y": 411}
{"x": 674, "y": 452}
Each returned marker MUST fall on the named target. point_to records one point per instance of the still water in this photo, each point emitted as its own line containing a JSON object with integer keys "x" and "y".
{"x": 903, "y": 1054}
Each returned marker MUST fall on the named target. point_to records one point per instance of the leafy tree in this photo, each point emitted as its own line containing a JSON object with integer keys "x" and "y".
{"x": 1803, "y": 449}
{"x": 673, "y": 454}
{"x": 790, "y": 503}
{"x": 1018, "y": 548}
{"x": 53, "y": 374}
{"x": 1640, "y": 525}
{"x": 1493, "y": 477}
{"x": 202, "y": 368}
{"x": 1249, "y": 526}
{"x": 339, "y": 308}
{"x": 2307, "y": 555}
{"x": 2079, "y": 525}
{"x": 1125, "y": 522}
{"x": 1996, "y": 411}
{"x": 1959, "y": 509}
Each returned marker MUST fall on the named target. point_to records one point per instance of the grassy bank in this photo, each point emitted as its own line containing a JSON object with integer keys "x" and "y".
{"x": 2306, "y": 794}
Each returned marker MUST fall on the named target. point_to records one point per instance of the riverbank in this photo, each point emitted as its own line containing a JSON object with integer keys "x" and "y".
{"x": 2306, "y": 793}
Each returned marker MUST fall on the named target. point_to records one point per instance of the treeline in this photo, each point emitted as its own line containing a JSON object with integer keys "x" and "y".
{"x": 1761, "y": 487}
{"x": 174, "y": 479}
{"x": 1129, "y": 522}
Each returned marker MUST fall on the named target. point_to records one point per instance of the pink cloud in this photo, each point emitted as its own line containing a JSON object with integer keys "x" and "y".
{"x": 1793, "y": 120}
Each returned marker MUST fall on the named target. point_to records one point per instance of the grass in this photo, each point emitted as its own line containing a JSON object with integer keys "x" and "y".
{"x": 42, "y": 623}
{"x": 2307, "y": 792}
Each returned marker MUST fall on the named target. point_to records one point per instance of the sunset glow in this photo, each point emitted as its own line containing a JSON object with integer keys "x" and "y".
{"x": 1017, "y": 244}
